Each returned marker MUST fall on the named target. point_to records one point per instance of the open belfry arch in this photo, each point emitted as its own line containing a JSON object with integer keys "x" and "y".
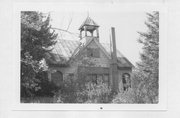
{"x": 89, "y": 26}
{"x": 90, "y": 60}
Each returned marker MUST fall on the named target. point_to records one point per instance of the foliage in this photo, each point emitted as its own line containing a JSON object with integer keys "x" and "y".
{"x": 47, "y": 88}
{"x": 72, "y": 92}
{"x": 125, "y": 97}
{"x": 96, "y": 93}
{"x": 67, "y": 94}
{"x": 147, "y": 71}
{"x": 36, "y": 40}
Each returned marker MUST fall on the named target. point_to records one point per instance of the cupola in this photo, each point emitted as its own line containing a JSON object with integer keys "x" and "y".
{"x": 87, "y": 30}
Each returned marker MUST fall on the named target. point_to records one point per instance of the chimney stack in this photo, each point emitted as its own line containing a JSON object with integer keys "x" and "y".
{"x": 113, "y": 67}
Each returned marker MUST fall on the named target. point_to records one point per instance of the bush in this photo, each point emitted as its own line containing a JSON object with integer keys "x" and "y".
{"x": 67, "y": 93}
{"x": 96, "y": 93}
{"x": 127, "y": 97}
{"x": 91, "y": 93}
{"x": 45, "y": 89}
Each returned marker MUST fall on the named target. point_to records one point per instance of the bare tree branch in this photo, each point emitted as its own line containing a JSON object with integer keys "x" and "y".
{"x": 69, "y": 24}
{"x": 64, "y": 31}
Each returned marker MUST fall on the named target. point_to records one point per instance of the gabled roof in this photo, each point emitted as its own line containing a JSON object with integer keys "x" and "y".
{"x": 88, "y": 22}
{"x": 64, "y": 50}
{"x": 87, "y": 43}
{"x": 122, "y": 60}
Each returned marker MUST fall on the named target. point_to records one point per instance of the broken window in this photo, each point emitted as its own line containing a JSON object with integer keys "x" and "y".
{"x": 126, "y": 81}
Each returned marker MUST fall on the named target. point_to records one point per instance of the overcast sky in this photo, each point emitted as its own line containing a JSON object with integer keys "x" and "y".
{"x": 126, "y": 24}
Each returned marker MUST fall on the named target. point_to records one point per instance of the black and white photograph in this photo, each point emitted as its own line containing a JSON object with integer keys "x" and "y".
{"x": 92, "y": 59}
{"x": 89, "y": 57}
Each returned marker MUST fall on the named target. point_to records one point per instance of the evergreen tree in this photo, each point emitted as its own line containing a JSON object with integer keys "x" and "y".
{"x": 36, "y": 40}
{"x": 148, "y": 68}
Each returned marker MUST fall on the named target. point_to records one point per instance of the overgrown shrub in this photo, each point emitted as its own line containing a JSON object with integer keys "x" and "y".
{"x": 145, "y": 89}
{"x": 45, "y": 89}
{"x": 67, "y": 92}
{"x": 95, "y": 93}
{"x": 73, "y": 92}
{"x": 126, "y": 97}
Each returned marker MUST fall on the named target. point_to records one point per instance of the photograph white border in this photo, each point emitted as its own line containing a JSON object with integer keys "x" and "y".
{"x": 162, "y": 105}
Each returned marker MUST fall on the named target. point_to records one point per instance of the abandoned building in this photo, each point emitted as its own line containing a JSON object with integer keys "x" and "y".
{"x": 89, "y": 59}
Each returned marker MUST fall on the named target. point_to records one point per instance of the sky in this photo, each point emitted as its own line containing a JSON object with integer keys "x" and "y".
{"x": 126, "y": 23}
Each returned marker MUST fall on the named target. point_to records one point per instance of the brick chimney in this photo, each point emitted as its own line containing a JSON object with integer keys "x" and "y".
{"x": 113, "y": 66}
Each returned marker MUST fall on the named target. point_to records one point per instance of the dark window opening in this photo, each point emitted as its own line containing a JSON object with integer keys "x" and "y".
{"x": 126, "y": 81}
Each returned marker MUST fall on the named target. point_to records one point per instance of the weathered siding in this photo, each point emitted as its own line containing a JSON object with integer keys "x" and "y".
{"x": 83, "y": 64}
{"x": 65, "y": 70}
{"x": 101, "y": 64}
{"x": 84, "y": 60}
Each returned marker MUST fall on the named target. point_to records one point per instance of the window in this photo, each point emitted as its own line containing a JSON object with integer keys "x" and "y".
{"x": 70, "y": 77}
{"x": 93, "y": 52}
{"x": 57, "y": 78}
{"x": 106, "y": 79}
{"x": 126, "y": 81}
{"x": 94, "y": 79}
{"x": 98, "y": 78}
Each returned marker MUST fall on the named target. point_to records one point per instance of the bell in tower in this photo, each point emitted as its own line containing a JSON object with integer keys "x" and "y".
{"x": 87, "y": 30}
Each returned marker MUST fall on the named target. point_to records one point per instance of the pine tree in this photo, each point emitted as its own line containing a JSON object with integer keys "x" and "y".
{"x": 148, "y": 67}
{"x": 36, "y": 40}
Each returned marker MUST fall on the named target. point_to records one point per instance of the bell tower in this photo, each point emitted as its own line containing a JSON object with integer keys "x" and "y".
{"x": 88, "y": 30}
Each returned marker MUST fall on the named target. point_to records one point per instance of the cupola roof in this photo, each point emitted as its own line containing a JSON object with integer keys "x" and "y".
{"x": 89, "y": 22}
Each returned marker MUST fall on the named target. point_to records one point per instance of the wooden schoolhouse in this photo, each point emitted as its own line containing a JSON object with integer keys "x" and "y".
{"x": 89, "y": 59}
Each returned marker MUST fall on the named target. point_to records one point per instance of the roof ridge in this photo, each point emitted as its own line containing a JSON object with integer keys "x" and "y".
{"x": 68, "y": 40}
{"x": 72, "y": 49}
